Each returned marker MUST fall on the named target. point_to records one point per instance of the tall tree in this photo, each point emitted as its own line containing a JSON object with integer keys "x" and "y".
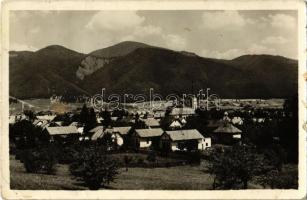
{"x": 84, "y": 114}
{"x": 234, "y": 167}
{"x": 91, "y": 121}
{"x": 94, "y": 167}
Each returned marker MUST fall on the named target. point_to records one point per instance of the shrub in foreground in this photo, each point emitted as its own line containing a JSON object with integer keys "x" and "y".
{"x": 40, "y": 160}
{"x": 94, "y": 167}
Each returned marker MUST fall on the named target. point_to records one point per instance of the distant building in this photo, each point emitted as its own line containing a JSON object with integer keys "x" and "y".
{"x": 237, "y": 120}
{"x": 175, "y": 125}
{"x": 184, "y": 140}
{"x": 227, "y": 133}
{"x": 182, "y": 112}
{"x": 120, "y": 134}
{"x": 159, "y": 114}
{"x": 151, "y": 122}
{"x": 46, "y": 117}
{"x": 63, "y": 133}
{"x": 96, "y": 133}
{"x": 145, "y": 138}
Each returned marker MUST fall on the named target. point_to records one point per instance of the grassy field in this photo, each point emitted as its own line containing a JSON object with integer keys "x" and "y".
{"x": 181, "y": 177}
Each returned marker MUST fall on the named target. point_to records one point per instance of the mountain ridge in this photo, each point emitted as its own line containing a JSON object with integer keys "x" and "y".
{"x": 41, "y": 73}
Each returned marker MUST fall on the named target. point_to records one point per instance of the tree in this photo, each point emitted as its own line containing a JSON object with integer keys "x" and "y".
{"x": 106, "y": 115}
{"x": 30, "y": 114}
{"x": 25, "y": 135}
{"x": 91, "y": 121}
{"x": 40, "y": 159}
{"x": 234, "y": 167}
{"x": 94, "y": 167}
{"x": 84, "y": 114}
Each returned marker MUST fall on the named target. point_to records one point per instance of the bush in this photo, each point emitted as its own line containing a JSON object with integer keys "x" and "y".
{"x": 140, "y": 161}
{"x": 94, "y": 167}
{"x": 151, "y": 156}
{"x": 39, "y": 160}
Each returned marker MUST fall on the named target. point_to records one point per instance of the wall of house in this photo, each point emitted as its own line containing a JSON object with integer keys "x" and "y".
{"x": 145, "y": 143}
{"x": 204, "y": 143}
{"x": 174, "y": 146}
{"x": 119, "y": 140}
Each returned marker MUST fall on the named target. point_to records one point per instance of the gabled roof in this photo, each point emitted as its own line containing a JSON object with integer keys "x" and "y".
{"x": 74, "y": 124}
{"x": 151, "y": 122}
{"x": 152, "y": 132}
{"x": 46, "y": 117}
{"x": 40, "y": 123}
{"x": 62, "y": 130}
{"x": 122, "y": 130}
{"x": 98, "y": 134}
{"x": 183, "y": 111}
{"x": 227, "y": 128}
{"x": 93, "y": 130}
{"x": 178, "y": 135}
{"x": 175, "y": 123}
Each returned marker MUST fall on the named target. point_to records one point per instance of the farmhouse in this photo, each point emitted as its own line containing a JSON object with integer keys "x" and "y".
{"x": 184, "y": 140}
{"x": 227, "y": 133}
{"x": 96, "y": 133}
{"x": 120, "y": 134}
{"x": 63, "y": 133}
{"x": 46, "y": 117}
{"x": 151, "y": 122}
{"x": 145, "y": 138}
{"x": 182, "y": 112}
{"x": 175, "y": 125}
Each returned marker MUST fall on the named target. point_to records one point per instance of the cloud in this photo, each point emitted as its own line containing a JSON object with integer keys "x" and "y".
{"x": 274, "y": 40}
{"x": 35, "y": 30}
{"x": 260, "y": 49}
{"x": 175, "y": 42}
{"x": 220, "y": 19}
{"x": 283, "y": 21}
{"x": 229, "y": 54}
{"x": 22, "y": 47}
{"x": 233, "y": 53}
{"x": 115, "y": 20}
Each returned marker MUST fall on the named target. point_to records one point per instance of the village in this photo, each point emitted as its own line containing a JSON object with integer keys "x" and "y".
{"x": 176, "y": 135}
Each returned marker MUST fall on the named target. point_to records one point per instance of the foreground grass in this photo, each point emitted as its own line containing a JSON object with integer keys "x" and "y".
{"x": 180, "y": 178}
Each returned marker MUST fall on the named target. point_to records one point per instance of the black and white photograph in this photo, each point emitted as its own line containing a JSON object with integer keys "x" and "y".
{"x": 153, "y": 99}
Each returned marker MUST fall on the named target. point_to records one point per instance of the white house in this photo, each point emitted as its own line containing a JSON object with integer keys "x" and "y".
{"x": 184, "y": 140}
{"x": 151, "y": 122}
{"x": 144, "y": 138}
{"x": 175, "y": 124}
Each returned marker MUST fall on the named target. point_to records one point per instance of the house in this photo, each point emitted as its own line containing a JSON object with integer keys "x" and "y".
{"x": 175, "y": 125}
{"x": 145, "y": 138}
{"x": 151, "y": 122}
{"x": 121, "y": 134}
{"x": 184, "y": 140}
{"x": 182, "y": 112}
{"x": 227, "y": 133}
{"x": 96, "y": 133}
{"x": 79, "y": 127}
{"x": 159, "y": 114}
{"x": 41, "y": 123}
{"x": 63, "y": 133}
{"x": 46, "y": 117}
{"x": 237, "y": 120}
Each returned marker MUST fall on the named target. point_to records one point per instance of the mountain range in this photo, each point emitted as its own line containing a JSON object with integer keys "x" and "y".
{"x": 132, "y": 67}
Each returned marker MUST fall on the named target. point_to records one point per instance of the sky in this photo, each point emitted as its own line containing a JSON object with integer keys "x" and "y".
{"x": 217, "y": 34}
